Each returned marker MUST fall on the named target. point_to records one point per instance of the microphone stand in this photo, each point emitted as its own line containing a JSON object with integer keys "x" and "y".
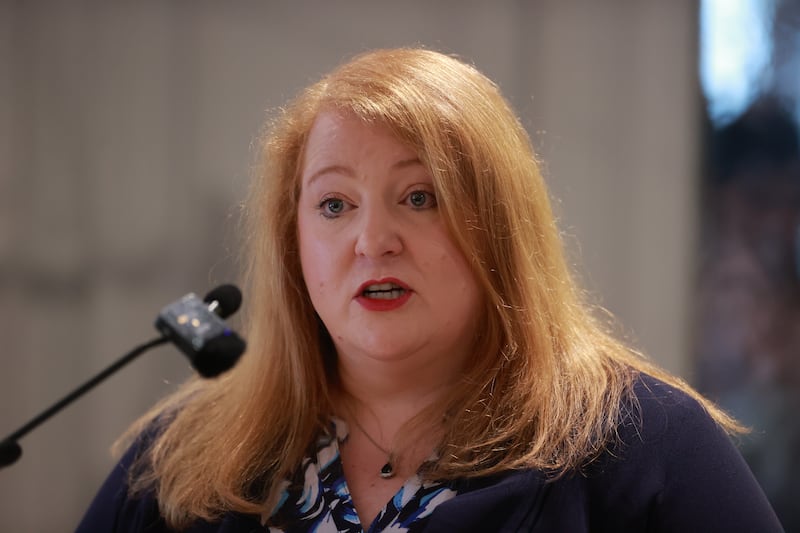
{"x": 197, "y": 329}
{"x": 10, "y": 450}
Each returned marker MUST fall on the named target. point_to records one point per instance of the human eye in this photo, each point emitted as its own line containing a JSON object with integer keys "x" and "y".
{"x": 421, "y": 199}
{"x": 333, "y": 207}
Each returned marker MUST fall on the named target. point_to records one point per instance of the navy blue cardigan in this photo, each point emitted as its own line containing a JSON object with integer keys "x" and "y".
{"x": 671, "y": 470}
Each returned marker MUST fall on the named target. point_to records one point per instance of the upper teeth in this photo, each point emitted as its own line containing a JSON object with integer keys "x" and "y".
{"x": 382, "y": 287}
{"x": 384, "y": 291}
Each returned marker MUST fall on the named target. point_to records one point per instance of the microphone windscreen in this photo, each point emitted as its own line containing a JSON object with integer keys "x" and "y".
{"x": 218, "y": 355}
{"x": 228, "y": 298}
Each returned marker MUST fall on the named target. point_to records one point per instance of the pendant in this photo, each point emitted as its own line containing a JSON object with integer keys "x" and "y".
{"x": 387, "y": 471}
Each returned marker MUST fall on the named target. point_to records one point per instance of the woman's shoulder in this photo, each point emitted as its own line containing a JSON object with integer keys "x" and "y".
{"x": 115, "y": 507}
{"x": 662, "y": 430}
{"x": 119, "y": 508}
{"x": 668, "y": 467}
{"x": 671, "y": 463}
{"x": 658, "y": 413}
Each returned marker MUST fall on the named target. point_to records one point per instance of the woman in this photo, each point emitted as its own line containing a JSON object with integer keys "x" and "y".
{"x": 415, "y": 338}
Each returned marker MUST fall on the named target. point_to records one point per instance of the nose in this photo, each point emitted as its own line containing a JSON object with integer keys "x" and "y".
{"x": 378, "y": 234}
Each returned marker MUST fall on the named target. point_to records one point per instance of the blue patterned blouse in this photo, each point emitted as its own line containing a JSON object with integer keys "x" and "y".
{"x": 323, "y": 503}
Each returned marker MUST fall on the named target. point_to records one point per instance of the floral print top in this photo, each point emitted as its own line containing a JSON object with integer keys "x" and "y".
{"x": 323, "y": 503}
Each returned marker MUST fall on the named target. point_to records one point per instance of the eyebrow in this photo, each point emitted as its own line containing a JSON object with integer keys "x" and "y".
{"x": 407, "y": 163}
{"x": 347, "y": 171}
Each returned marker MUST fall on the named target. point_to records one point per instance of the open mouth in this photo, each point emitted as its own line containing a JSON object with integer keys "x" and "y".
{"x": 383, "y": 291}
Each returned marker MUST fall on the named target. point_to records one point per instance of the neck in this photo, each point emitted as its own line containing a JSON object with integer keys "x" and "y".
{"x": 380, "y": 397}
{"x": 393, "y": 391}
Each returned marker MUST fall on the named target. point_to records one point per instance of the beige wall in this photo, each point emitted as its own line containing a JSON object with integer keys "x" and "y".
{"x": 125, "y": 143}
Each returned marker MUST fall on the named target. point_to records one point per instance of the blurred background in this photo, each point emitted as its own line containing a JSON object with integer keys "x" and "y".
{"x": 128, "y": 131}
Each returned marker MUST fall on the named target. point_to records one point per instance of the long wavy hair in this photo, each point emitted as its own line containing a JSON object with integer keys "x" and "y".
{"x": 546, "y": 385}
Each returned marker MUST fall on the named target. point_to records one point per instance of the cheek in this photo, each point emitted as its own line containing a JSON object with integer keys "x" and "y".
{"x": 455, "y": 272}
{"x": 318, "y": 260}
{"x": 472, "y": 292}
{"x": 311, "y": 258}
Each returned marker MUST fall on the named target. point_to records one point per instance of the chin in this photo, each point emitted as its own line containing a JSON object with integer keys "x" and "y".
{"x": 385, "y": 348}
{"x": 380, "y": 353}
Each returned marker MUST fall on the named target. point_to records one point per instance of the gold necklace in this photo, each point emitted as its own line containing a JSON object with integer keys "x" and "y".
{"x": 387, "y": 470}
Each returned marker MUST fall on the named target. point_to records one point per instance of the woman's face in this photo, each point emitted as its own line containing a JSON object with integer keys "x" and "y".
{"x": 381, "y": 268}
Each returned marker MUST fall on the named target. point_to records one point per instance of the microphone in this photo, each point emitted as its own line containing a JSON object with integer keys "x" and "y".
{"x": 197, "y": 329}
{"x": 195, "y": 326}
{"x": 224, "y": 300}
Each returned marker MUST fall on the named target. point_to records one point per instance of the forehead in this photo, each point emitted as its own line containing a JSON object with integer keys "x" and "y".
{"x": 337, "y": 136}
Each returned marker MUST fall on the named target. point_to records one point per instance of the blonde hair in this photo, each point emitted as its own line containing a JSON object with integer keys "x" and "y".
{"x": 546, "y": 385}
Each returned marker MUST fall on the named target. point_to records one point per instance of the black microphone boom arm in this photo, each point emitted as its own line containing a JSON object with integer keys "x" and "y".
{"x": 195, "y": 327}
{"x": 10, "y": 450}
